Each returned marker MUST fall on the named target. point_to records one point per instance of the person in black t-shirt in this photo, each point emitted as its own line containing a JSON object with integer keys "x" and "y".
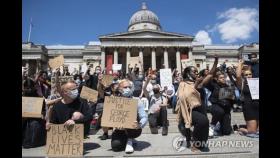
{"x": 71, "y": 109}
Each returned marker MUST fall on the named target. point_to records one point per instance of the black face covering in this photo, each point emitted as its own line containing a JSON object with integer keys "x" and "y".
{"x": 190, "y": 78}
{"x": 156, "y": 91}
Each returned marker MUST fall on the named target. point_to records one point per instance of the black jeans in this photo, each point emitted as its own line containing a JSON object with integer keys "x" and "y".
{"x": 222, "y": 114}
{"x": 159, "y": 118}
{"x": 201, "y": 127}
{"x": 119, "y": 138}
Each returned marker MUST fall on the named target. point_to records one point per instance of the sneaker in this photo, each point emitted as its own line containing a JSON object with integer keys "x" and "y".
{"x": 252, "y": 135}
{"x": 129, "y": 148}
{"x": 211, "y": 130}
{"x": 164, "y": 131}
{"x": 104, "y": 136}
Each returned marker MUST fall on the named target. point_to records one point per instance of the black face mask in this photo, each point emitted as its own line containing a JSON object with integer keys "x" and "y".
{"x": 156, "y": 91}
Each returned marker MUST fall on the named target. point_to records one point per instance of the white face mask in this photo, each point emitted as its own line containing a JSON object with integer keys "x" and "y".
{"x": 73, "y": 94}
{"x": 127, "y": 92}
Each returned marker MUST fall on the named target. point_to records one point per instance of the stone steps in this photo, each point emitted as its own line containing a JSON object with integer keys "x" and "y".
{"x": 237, "y": 118}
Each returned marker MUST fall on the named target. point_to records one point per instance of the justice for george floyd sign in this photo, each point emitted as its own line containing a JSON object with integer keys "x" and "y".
{"x": 89, "y": 94}
{"x": 119, "y": 112}
{"x": 32, "y": 107}
{"x": 62, "y": 141}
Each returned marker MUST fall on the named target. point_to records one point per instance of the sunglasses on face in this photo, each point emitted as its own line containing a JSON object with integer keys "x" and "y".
{"x": 247, "y": 74}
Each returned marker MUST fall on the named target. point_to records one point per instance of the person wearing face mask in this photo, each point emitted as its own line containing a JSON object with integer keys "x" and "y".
{"x": 190, "y": 111}
{"x": 122, "y": 139}
{"x": 157, "y": 111}
{"x": 71, "y": 109}
{"x": 250, "y": 106}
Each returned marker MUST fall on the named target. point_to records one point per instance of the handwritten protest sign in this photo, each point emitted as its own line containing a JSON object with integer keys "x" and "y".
{"x": 134, "y": 60}
{"x": 226, "y": 93}
{"x": 32, "y": 107}
{"x": 119, "y": 112}
{"x": 107, "y": 80}
{"x": 56, "y": 62}
{"x": 63, "y": 141}
{"x": 89, "y": 94}
{"x": 186, "y": 63}
{"x": 165, "y": 77}
{"x": 117, "y": 67}
{"x": 254, "y": 87}
{"x": 61, "y": 80}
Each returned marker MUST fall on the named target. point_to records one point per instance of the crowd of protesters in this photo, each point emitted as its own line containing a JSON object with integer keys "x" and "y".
{"x": 192, "y": 95}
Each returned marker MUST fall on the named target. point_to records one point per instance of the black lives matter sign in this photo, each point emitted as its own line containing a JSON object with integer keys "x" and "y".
{"x": 119, "y": 112}
{"x": 63, "y": 141}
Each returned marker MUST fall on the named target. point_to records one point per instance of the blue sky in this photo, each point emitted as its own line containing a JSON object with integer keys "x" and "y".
{"x": 76, "y": 22}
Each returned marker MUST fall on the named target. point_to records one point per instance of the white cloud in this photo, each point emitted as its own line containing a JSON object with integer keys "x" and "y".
{"x": 239, "y": 24}
{"x": 202, "y": 37}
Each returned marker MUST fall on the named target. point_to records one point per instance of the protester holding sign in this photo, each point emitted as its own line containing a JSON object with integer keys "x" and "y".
{"x": 71, "y": 109}
{"x": 190, "y": 110}
{"x": 122, "y": 138}
{"x": 250, "y": 106}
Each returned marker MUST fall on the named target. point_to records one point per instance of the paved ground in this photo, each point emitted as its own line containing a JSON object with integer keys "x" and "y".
{"x": 148, "y": 145}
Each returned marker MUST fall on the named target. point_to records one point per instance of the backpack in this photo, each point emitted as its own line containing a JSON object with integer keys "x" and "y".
{"x": 33, "y": 133}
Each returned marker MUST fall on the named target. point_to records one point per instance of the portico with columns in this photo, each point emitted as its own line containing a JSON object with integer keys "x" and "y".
{"x": 145, "y": 39}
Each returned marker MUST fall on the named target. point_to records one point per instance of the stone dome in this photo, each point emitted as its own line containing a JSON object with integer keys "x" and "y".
{"x": 144, "y": 19}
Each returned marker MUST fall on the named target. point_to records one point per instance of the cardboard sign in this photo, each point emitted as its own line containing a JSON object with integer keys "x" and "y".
{"x": 134, "y": 60}
{"x": 61, "y": 80}
{"x": 119, "y": 112}
{"x": 117, "y": 67}
{"x": 65, "y": 142}
{"x": 227, "y": 93}
{"x": 89, "y": 94}
{"x": 107, "y": 80}
{"x": 186, "y": 63}
{"x": 165, "y": 77}
{"x": 56, "y": 62}
{"x": 253, "y": 84}
{"x": 32, "y": 107}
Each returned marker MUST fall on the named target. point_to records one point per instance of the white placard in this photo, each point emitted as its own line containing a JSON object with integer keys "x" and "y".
{"x": 254, "y": 87}
{"x": 117, "y": 67}
{"x": 165, "y": 77}
{"x": 186, "y": 63}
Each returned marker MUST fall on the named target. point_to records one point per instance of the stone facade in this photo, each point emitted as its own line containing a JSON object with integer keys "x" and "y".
{"x": 144, "y": 38}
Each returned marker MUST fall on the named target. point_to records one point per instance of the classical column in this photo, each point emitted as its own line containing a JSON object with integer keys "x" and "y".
{"x": 141, "y": 59}
{"x": 38, "y": 65}
{"x": 178, "y": 60}
{"x": 102, "y": 58}
{"x": 166, "y": 58}
{"x": 153, "y": 59}
{"x": 115, "y": 56}
{"x": 141, "y": 54}
{"x": 127, "y": 58}
{"x": 190, "y": 55}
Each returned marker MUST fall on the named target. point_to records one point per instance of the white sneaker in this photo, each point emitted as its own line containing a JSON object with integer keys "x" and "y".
{"x": 129, "y": 147}
{"x": 211, "y": 131}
